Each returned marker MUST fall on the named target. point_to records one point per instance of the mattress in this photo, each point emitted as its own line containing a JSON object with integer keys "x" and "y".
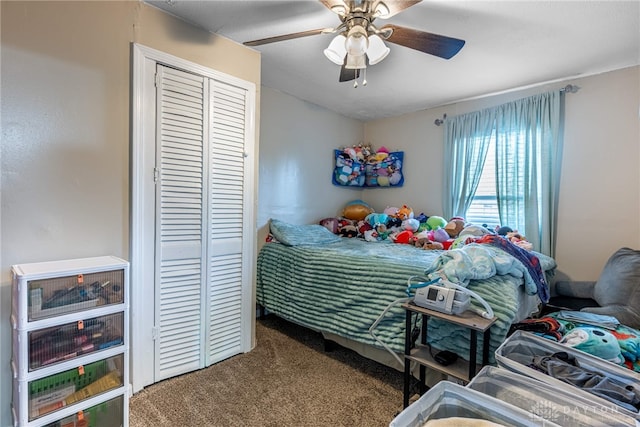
{"x": 340, "y": 287}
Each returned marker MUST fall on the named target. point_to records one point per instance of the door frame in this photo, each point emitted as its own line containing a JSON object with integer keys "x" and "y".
{"x": 142, "y": 202}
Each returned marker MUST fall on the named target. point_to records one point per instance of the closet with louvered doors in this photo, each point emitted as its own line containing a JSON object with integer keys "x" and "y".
{"x": 204, "y": 211}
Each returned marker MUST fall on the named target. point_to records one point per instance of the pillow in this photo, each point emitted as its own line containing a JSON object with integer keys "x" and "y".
{"x": 295, "y": 235}
{"x": 619, "y": 282}
{"x": 384, "y": 171}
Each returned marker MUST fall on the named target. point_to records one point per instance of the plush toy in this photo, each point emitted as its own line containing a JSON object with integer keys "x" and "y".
{"x": 519, "y": 240}
{"x": 595, "y": 341}
{"x": 363, "y": 226}
{"x": 349, "y": 230}
{"x": 435, "y": 222}
{"x": 421, "y": 235}
{"x": 502, "y": 231}
{"x": 438, "y": 235}
{"x": 362, "y": 152}
{"x": 391, "y": 210}
{"x": 330, "y": 224}
{"x": 375, "y": 219}
{"x": 410, "y": 224}
{"x": 403, "y": 237}
{"x": 433, "y": 246}
{"x": 356, "y": 210}
{"x": 419, "y": 242}
{"x": 404, "y": 212}
{"x": 422, "y": 218}
{"x": 393, "y": 222}
{"x": 474, "y": 230}
{"x": 427, "y": 244}
{"x": 347, "y": 227}
{"x": 371, "y": 236}
{"x": 454, "y": 227}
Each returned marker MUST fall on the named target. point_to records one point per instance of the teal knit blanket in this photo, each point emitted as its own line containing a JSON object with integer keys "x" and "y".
{"x": 343, "y": 287}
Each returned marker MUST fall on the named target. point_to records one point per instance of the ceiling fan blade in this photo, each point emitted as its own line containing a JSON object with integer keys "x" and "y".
{"x": 347, "y": 74}
{"x": 288, "y": 37}
{"x": 433, "y": 44}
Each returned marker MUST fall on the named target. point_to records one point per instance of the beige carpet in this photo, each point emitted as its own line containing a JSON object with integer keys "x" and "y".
{"x": 287, "y": 380}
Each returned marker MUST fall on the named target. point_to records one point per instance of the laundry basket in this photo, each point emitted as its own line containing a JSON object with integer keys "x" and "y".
{"x": 517, "y": 352}
{"x": 545, "y": 400}
{"x": 447, "y": 400}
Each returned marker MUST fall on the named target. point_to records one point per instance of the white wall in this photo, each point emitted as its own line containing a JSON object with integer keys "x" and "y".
{"x": 295, "y": 160}
{"x": 65, "y": 151}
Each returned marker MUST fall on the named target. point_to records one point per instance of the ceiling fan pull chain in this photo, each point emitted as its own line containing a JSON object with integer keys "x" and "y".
{"x": 364, "y": 79}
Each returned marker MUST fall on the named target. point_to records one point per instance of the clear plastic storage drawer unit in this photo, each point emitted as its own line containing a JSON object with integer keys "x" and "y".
{"x": 70, "y": 356}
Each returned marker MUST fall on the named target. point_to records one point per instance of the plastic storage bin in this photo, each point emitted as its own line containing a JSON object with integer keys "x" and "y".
{"x": 59, "y": 343}
{"x": 447, "y": 400}
{"x": 56, "y": 391}
{"x": 106, "y": 414}
{"x": 70, "y": 342}
{"x": 516, "y": 353}
{"x": 69, "y": 294}
{"x": 545, "y": 400}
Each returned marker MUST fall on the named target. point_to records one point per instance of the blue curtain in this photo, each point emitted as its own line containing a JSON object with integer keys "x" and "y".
{"x": 528, "y": 135}
{"x": 528, "y": 160}
{"x": 466, "y": 141}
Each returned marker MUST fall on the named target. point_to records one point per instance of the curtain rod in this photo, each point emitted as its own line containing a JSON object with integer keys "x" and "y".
{"x": 567, "y": 89}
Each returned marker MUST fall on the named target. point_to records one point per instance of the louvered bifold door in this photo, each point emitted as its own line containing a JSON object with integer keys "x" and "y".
{"x": 228, "y": 181}
{"x": 182, "y": 111}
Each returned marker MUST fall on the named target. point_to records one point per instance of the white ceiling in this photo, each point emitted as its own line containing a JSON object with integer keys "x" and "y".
{"x": 509, "y": 44}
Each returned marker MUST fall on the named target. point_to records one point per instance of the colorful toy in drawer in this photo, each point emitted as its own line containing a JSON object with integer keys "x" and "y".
{"x": 63, "y": 342}
{"x": 67, "y": 294}
{"x": 66, "y": 388}
{"x": 103, "y": 414}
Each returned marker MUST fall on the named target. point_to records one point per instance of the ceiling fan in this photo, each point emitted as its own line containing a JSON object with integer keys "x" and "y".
{"x": 359, "y": 42}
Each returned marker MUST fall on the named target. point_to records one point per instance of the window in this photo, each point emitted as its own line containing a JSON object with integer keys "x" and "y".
{"x": 484, "y": 207}
{"x": 503, "y": 166}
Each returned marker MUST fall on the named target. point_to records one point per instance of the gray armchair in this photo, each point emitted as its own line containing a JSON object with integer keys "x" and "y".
{"x": 615, "y": 293}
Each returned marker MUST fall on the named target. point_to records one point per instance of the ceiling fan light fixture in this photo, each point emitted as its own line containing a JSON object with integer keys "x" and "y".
{"x": 357, "y": 41}
{"x": 336, "y": 50}
{"x": 377, "y": 50}
{"x": 355, "y": 62}
{"x": 339, "y": 9}
{"x": 381, "y": 11}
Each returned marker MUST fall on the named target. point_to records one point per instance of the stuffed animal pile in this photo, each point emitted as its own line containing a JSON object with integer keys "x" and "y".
{"x": 401, "y": 225}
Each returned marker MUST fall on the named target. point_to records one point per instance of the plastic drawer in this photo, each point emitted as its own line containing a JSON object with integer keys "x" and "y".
{"x": 107, "y": 414}
{"x": 55, "y": 296}
{"x": 516, "y": 353}
{"x": 447, "y": 400}
{"x": 63, "y": 342}
{"x": 545, "y": 400}
{"x": 50, "y": 289}
{"x": 43, "y": 396}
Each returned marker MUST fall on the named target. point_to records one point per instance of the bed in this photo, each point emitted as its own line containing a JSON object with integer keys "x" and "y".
{"x": 340, "y": 286}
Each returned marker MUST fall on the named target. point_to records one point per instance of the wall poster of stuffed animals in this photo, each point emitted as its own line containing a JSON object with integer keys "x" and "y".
{"x": 360, "y": 166}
